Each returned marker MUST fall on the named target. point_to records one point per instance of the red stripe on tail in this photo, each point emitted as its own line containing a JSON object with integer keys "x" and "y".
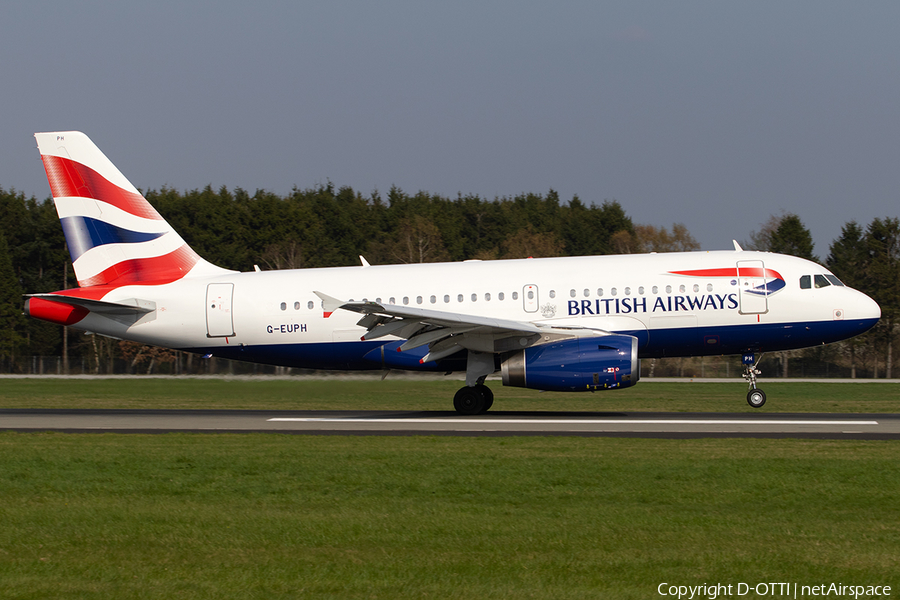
{"x": 70, "y": 178}
{"x": 147, "y": 271}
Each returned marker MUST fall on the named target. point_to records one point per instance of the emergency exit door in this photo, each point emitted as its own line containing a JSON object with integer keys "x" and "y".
{"x": 530, "y": 298}
{"x": 219, "y": 321}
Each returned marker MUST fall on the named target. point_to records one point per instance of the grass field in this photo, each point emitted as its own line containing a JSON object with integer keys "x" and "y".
{"x": 257, "y": 516}
{"x": 283, "y": 516}
{"x": 426, "y": 394}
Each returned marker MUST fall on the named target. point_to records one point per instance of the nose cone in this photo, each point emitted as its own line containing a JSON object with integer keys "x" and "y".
{"x": 875, "y": 309}
{"x": 865, "y": 311}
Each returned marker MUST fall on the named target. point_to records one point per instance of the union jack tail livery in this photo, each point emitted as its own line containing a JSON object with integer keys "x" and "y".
{"x": 115, "y": 236}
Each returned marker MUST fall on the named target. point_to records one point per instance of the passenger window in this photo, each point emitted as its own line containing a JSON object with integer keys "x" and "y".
{"x": 668, "y": 289}
{"x": 446, "y": 298}
{"x": 296, "y": 306}
{"x": 641, "y": 290}
{"x": 655, "y": 289}
{"x": 405, "y": 300}
{"x": 284, "y": 306}
{"x": 821, "y": 281}
{"x": 571, "y": 293}
{"x": 433, "y": 299}
{"x": 392, "y": 300}
{"x": 600, "y": 292}
{"x": 310, "y": 305}
{"x": 474, "y": 297}
{"x": 709, "y": 287}
{"x": 613, "y": 291}
{"x": 515, "y": 295}
{"x": 805, "y": 282}
{"x": 487, "y": 297}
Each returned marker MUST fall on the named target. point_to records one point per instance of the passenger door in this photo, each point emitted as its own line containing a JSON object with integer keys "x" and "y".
{"x": 754, "y": 296}
{"x": 219, "y": 321}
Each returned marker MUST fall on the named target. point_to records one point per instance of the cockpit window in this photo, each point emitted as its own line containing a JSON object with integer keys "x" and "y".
{"x": 806, "y": 281}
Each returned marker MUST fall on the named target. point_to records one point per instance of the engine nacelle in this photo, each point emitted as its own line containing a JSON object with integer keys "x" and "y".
{"x": 573, "y": 365}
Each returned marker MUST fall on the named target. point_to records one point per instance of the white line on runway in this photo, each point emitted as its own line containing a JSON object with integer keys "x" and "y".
{"x": 570, "y": 421}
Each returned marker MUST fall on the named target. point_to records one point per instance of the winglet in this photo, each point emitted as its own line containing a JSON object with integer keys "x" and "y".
{"x": 329, "y": 304}
{"x": 737, "y": 247}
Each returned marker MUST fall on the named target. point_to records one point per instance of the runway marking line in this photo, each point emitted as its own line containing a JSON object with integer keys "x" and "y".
{"x": 567, "y": 421}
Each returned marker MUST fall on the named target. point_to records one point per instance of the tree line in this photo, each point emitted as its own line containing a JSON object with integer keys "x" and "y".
{"x": 325, "y": 226}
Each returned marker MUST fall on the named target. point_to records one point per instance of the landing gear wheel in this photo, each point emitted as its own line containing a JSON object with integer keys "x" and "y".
{"x": 756, "y": 398}
{"x": 488, "y": 396}
{"x": 469, "y": 401}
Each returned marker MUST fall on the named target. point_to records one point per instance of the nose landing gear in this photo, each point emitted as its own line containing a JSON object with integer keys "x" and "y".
{"x": 755, "y": 397}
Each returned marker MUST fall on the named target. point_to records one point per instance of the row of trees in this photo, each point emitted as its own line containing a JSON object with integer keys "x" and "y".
{"x": 328, "y": 226}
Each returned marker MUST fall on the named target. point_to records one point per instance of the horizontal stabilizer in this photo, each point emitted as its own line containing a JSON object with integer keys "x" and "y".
{"x": 132, "y": 306}
{"x": 68, "y": 310}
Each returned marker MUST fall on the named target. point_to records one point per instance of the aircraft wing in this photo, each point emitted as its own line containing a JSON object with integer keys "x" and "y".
{"x": 445, "y": 332}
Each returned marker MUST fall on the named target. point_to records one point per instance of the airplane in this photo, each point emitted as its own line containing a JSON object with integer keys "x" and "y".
{"x": 558, "y": 324}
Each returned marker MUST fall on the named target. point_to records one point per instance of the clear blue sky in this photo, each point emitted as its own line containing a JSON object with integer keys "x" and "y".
{"x": 712, "y": 114}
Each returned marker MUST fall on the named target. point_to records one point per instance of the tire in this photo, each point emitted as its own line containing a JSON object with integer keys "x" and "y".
{"x": 469, "y": 401}
{"x": 756, "y": 398}
{"x": 488, "y": 397}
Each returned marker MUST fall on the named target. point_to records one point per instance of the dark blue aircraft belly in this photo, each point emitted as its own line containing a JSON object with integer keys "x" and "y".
{"x": 755, "y": 337}
{"x": 658, "y": 343}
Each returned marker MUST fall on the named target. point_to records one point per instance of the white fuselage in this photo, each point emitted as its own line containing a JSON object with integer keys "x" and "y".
{"x": 276, "y": 317}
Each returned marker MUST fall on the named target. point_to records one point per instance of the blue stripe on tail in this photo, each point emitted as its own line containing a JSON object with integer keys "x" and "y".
{"x": 84, "y": 233}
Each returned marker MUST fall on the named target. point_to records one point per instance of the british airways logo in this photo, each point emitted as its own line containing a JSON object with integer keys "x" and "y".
{"x": 755, "y": 281}
{"x": 624, "y": 306}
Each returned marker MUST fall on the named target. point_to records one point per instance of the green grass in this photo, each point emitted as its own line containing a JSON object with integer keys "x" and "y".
{"x": 412, "y": 394}
{"x": 274, "y": 516}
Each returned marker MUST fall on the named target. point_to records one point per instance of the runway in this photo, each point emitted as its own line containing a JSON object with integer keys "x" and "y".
{"x": 500, "y": 423}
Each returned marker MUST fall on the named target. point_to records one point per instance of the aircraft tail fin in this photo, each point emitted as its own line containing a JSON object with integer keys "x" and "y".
{"x": 115, "y": 237}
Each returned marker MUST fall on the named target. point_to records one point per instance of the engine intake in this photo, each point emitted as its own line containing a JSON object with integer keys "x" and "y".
{"x": 581, "y": 364}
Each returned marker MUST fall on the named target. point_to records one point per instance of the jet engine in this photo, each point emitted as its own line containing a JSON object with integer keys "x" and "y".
{"x": 580, "y": 364}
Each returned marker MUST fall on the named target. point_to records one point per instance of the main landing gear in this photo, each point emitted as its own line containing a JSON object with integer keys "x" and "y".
{"x": 476, "y": 397}
{"x": 473, "y": 400}
{"x": 755, "y": 397}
